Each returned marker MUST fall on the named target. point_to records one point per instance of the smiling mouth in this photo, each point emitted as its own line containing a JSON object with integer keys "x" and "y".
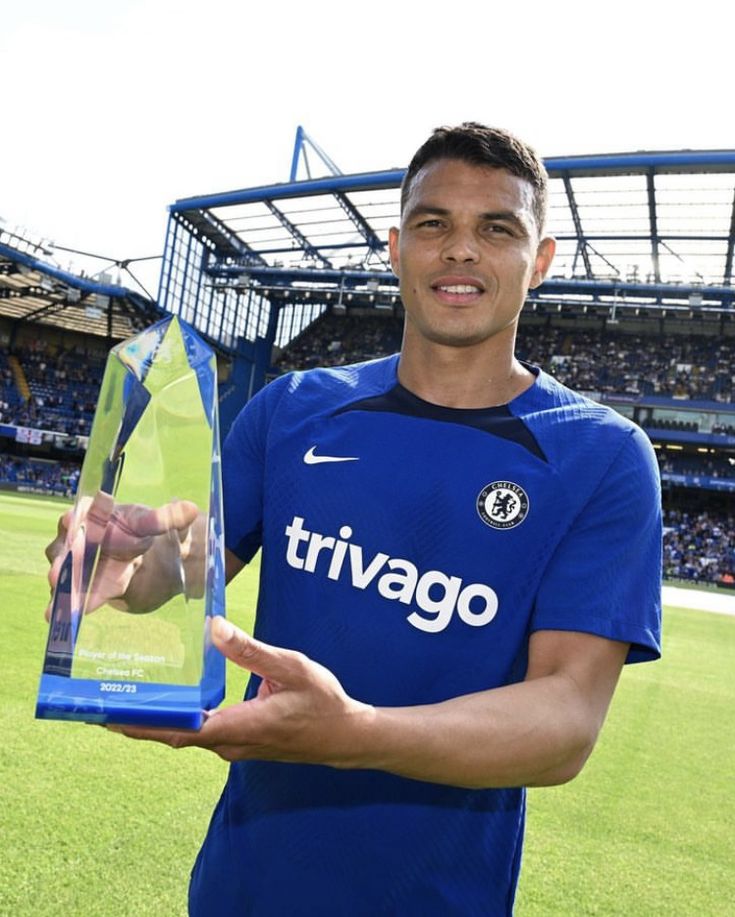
{"x": 457, "y": 294}
{"x": 459, "y": 288}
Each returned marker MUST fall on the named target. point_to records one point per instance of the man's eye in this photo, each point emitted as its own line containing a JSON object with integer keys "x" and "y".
{"x": 431, "y": 224}
{"x": 499, "y": 229}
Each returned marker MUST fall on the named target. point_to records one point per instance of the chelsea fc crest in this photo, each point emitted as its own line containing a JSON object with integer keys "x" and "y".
{"x": 502, "y": 505}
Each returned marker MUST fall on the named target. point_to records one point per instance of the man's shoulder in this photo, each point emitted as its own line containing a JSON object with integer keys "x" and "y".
{"x": 567, "y": 423}
{"x": 336, "y": 384}
{"x": 574, "y": 407}
{"x": 290, "y": 398}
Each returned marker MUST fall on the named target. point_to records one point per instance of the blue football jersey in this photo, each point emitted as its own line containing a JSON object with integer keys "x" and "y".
{"x": 412, "y": 549}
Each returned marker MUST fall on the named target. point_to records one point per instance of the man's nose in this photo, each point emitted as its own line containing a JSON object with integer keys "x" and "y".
{"x": 461, "y": 246}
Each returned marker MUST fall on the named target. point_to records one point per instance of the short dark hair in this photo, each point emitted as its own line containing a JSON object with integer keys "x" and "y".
{"x": 483, "y": 146}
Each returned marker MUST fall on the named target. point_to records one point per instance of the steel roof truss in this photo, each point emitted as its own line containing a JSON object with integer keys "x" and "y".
{"x": 36, "y": 314}
{"x": 730, "y": 246}
{"x": 219, "y": 232}
{"x": 582, "y": 243}
{"x": 309, "y": 250}
{"x": 680, "y": 258}
{"x": 591, "y": 248}
{"x": 375, "y": 243}
{"x": 651, "y": 192}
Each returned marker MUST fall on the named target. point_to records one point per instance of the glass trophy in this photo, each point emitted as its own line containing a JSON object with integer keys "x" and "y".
{"x": 142, "y": 569}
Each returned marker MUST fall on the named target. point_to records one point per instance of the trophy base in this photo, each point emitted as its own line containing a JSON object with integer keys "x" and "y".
{"x": 124, "y": 703}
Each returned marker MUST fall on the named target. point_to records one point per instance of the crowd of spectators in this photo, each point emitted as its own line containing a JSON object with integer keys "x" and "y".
{"x": 9, "y": 394}
{"x": 63, "y": 383}
{"x": 335, "y": 340}
{"x": 676, "y": 366}
{"x": 699, "y": 546}
{"x": 39, "y": 474}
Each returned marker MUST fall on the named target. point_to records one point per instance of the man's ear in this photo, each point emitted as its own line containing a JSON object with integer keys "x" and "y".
{"x": 544, "y": 257}
{"x": 395, "y": 260}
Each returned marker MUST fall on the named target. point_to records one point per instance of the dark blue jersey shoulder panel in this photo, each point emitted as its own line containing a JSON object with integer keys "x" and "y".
{"x": 497, "y": 421}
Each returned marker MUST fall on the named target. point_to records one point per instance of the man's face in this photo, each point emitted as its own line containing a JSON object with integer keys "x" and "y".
{"x": 467, "y": 252}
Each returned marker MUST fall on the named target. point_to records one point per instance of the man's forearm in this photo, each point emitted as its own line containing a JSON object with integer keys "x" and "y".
{"x": 536, "y": 732}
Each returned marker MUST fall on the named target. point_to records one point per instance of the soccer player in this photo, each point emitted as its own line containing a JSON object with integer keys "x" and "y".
{"x": 458, "y": 556}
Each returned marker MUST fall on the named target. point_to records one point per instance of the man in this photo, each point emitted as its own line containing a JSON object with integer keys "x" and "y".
{"x": 459, "y": 554}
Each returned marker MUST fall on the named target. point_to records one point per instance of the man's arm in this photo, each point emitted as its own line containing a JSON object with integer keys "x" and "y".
{"x": 537, "y": 732}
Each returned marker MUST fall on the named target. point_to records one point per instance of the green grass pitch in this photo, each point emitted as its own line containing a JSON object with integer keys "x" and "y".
{"x": 94, "y": 824}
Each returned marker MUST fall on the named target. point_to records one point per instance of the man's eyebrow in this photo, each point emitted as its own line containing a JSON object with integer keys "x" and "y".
{"x": 504, "y": 216}
{"x": 423, "y": 209}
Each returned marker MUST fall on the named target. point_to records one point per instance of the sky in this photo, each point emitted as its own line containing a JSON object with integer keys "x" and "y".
{"x": 113, "y": 110}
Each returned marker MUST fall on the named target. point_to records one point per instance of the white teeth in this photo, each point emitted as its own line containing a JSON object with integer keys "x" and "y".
{"x": 460, "y": 288}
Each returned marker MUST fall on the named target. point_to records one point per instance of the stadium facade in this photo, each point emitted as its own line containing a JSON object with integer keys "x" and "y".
{"x": 639, "y": 311}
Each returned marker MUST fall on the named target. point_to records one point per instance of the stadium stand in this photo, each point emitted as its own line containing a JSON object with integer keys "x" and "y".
{"x": 699, "y": 546}
{"x": 640, "y": 315}
{"x": 33, "y": 475}
{"x": 600, "y": 360}
{"x": 335, "y": 340}
{"x": 55, "y": 330}
{"x": 675, "y": 369}
{"x": 62, "y": 387}
{"x": 63, "y": 380}
{"x": 722, "y": 467}
{"x": 680, "y": 367}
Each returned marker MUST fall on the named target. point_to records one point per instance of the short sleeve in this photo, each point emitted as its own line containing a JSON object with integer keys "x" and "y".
{"x": 605, "y": 576}
{"x": 243, "y": 464}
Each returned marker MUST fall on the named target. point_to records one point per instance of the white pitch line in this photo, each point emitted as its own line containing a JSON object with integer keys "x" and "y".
{"x": 700, "y": 599}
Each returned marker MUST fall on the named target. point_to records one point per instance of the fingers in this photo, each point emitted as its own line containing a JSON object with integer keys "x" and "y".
{"x": 176, "y": 738}
{"x": 98, "y": 515}
{"x": 55, "y": 547}
{"x": 110, "y": 584}
{"x": 121, "y": 527}
{"x": 131, "y": 528}
{"x": 215, "y": 735}
{"x": 53, "y": 573}
{"x": 271, "y": 662}
{"x": 182, "y": 514}
{"x": 178, "y": 514}
{"x": 217, "y": 728}
{"x": 253, "y": 728}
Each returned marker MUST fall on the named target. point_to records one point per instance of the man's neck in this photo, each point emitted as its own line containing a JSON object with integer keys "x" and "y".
{"x": 462, "y": 377}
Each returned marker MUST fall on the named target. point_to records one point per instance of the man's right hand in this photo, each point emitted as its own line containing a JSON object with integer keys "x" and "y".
{"x": 146, "y": 556}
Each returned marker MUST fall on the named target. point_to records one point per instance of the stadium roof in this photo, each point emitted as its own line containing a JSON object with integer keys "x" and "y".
{"x": 34, "y": 288}
{"x": 634, "y": 230}
{"x": 658, "y": 226}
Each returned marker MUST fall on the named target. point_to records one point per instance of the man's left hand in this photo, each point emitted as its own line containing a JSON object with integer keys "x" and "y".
{"x": 300, "y": 713}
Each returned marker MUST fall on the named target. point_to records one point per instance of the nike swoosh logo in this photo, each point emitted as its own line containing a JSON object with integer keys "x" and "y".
{"x": 311, "y": 459}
